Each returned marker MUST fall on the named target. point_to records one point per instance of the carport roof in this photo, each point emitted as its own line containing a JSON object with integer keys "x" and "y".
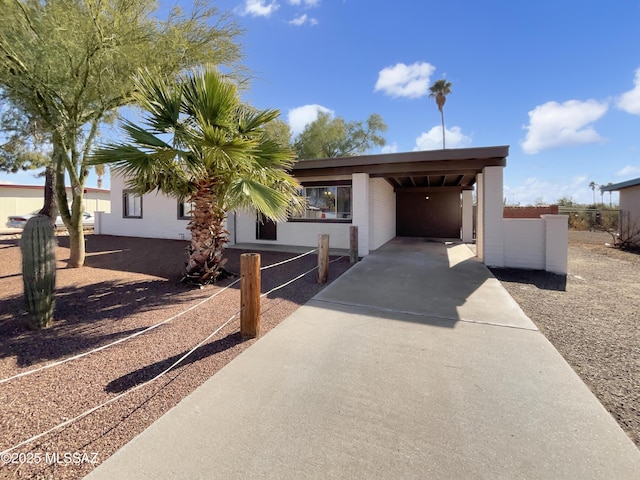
{"x": 432, "y": 168}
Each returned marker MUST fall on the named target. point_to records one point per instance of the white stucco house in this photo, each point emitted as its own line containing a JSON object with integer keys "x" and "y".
{"x": 419, "y": 194}
{"x": 629, "y": 207}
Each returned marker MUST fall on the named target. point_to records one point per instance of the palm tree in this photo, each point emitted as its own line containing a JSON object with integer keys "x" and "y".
{"x": 592, "y": 186}
{"x": 439, "y": 90}
{"x": 199, "y": 143}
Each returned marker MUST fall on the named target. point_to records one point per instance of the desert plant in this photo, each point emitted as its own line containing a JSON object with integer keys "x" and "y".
{"x": 38, "y": 247}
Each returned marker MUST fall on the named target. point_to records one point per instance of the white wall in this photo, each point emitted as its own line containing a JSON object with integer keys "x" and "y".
{"x": 303, "y": 234}
{"x": 491, "y": 217}
{"x": 630, "y": 202}
{"x": 382, "y": 212}
{"x": 524, "y": 243}
{"x": 159, "y": 217}
{"x": 538, "y": 244}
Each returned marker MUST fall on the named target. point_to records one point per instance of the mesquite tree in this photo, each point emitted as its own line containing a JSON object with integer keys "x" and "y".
{"x": 68, "y": 64}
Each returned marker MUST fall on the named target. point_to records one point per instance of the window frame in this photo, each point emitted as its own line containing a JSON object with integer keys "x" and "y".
{"x": 329, "y": 184}
{"x": 182, "y": 214}
{"x": 125, "y": 210}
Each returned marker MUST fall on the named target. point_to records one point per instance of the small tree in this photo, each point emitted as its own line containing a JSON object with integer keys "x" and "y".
{"x": 68, "y": 65}
{"x": 199, "y": 142}
{"x": 328, "y": 137}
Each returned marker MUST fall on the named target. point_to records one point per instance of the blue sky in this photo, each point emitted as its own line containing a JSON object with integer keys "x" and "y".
{"x": 558, "y": 81}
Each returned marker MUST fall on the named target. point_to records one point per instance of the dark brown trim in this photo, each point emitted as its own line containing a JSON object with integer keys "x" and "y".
{"x": 319, "y": 220}
{"x": 430, "y": 189}
{"x": 328, "y": 183}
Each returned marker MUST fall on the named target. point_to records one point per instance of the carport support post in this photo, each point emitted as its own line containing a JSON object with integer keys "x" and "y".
{"x": 353, "y": 244}
{"x": 323, "y": 257}
{"x": 250, "y": 295}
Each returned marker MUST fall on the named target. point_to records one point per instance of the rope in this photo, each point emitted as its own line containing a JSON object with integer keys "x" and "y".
{"x": 117, "y": 397}
{"x": 161, "y": 374}
{"x": 289, "y": 260}
{"x": 128, "y": 337}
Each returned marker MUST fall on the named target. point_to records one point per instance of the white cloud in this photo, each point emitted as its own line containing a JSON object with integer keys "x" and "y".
{"x": 628, "y": 171}
{"x": 302, "y": 19}
{"x": 402, "y": 80}
{"x": 554, "y": 125}
{"x": 534, "y": 189}
{"x": 432, "y": 140}
{"x": 630, "y": 101}
{"x": 306, "y": 3}
{"x": 259, "y": 8}
{"x": 393, "y": 148}
{"x": 300, "y": 117}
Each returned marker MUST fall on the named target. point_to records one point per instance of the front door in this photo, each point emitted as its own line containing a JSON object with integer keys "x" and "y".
{"x": 265, "y": 228}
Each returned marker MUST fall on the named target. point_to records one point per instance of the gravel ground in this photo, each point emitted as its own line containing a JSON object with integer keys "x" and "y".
{"x": 593, "y": 320}
{"x": 122, "y": 289}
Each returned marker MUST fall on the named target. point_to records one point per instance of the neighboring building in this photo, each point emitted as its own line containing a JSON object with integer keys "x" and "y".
{"x": 24, "y": 199}
{"x": 419, "y": 194}
{"x": 629, "y": 207}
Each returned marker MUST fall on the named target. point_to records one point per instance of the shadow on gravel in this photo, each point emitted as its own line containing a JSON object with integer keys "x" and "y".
{"x": 541, "y": 279}
{"x": 149, "y": 256}
{"x": 148, "y": 372}
{"x": 84, "y": 318}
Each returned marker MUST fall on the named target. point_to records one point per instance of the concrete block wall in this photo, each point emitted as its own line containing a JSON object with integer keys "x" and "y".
{"x": 538, "y": 244}
{"x": 292, "y": 233}
{"x": 524, "y": 243}
{"x": 382, "y": 213}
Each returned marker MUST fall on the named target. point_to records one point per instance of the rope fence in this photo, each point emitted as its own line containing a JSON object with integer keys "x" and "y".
{"x": 164, "y": 372}
{"x": 146, "y": 330}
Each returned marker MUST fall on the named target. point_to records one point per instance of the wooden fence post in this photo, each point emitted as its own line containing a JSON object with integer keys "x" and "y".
{"x": 250, "y": 295}
{"x": 323, "y": 257}
{"x": 353, "y": 244}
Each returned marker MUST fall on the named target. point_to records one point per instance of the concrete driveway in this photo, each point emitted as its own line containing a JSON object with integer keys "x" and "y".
{"x": 416, "y": 363}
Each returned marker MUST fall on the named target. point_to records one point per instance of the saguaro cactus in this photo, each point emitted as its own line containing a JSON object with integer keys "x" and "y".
{"x": 38, "y": 248}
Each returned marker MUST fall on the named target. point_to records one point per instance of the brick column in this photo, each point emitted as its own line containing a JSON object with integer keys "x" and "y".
{"x": 467, "y": 216}
{"x": 556, "y": 243}
{"x": 360, "y": 200}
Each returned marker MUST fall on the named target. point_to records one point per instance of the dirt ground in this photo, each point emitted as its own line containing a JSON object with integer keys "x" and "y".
{"x": 127, "y": 285}
{"x": 592, "y": 318}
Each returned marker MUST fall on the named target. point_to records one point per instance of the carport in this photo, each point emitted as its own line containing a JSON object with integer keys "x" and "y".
{"x": 433, "y": 190}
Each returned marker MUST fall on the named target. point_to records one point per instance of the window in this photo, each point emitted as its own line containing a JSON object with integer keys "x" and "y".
{"x": 184, "y": 210}
{"x": 331, "y": 203}
{"x": 132, "y": 205}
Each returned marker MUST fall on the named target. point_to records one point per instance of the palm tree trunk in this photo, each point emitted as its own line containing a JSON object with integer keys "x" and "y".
{"x": 208, "y": 235}
{"x": 442, "y": 115}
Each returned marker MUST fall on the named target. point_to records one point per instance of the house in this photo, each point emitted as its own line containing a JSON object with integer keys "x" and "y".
{"x": 23, "y": 199}
{"x": 629, "y": 208}
{"x": 419, "y": 194}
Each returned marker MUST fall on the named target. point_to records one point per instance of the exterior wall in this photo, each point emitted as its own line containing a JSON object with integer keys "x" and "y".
{"x": 304, "y": 234}
{"x": 530, "y": 212}
{"x": 524, "y": 243}
{"x": 159, "y": 217}
{"x": 360, "y": 201}
{"x": 490, "y": 217}
{"x": 23, "y": 199}
{"x": 467, "y": 216}
{"x": 538, "y": 244}
{"x": 630, "y": 202}
{"x": 382, "y": 213}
